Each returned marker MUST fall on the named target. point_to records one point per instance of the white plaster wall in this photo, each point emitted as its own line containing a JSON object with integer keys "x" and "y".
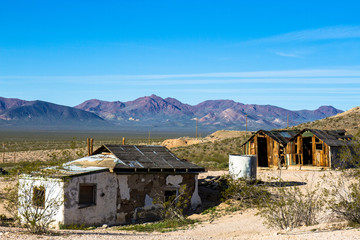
{"x": 174, "y": 180}
{"x": 123, "y": 187}
{"x": 104, "y": 212}
{"x": 54, "y": 194}
{"x": 195, "y": 198}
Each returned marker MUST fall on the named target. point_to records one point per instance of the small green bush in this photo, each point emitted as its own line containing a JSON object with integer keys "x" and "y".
{"x": 248, "y": 194}
{"x": 289, "y": 207}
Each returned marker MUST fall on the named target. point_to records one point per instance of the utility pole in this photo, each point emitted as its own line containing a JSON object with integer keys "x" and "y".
{"x": 287, "y": 125}
{"x": 246, "y": 122}
{"x": 196, "y": 127}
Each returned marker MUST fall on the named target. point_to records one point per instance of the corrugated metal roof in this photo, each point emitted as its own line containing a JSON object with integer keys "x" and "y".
{"x": 147, "y": 157}
{"x": 333, "y": 138}
{"x": 280, "y": 136}
{"x": 126, "y": 159}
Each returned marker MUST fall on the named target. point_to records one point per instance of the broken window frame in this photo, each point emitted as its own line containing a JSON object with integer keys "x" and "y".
{"x": 91, "y": 201}
{"x": 38, "y": 197}
{"x": 173, "y": 190}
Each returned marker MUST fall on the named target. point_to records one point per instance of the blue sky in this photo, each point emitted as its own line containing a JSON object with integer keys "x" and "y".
{"x": 292, "y": 54}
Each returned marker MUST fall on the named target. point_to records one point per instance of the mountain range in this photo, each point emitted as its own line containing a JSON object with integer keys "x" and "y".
{"x": 155, "y": 113}
{"x": 17, "y": 113}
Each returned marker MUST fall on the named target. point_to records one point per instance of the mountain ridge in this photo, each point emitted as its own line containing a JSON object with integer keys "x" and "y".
{"x": 154, "y": 112}
{"x": 41, "y": 114}
{"x": 212, "y": 114}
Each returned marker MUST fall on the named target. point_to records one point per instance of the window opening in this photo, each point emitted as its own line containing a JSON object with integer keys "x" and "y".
{"x": 38, "y": 199}
{"x": 87, "y": 195}
{"x": 170, "y": 195}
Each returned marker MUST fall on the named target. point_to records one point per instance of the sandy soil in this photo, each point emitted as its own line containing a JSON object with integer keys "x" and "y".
{"x": 216, "y": 136}
{"x": 238, "y": 225}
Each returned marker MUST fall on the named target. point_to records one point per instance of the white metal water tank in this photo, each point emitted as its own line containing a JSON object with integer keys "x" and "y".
{"x": 243, "y": 166}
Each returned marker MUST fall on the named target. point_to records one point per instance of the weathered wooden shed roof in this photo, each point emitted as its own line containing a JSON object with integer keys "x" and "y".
{"x": 280, "y": 136}
{"x": 147, "y": 158}
{"x": 333, "y": 138}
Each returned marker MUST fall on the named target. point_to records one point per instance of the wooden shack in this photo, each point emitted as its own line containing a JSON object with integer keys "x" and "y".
{"x": 314, "y": 147}
{"x": 308, "y": 147}
{"x": 269, "y": 147}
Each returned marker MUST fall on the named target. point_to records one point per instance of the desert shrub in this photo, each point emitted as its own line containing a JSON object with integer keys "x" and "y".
{"x": 33, "y": 204}
{"x": 349, "y": 156}
{"x": 9, "y": 199}
{"x": 344, "y": 196}
{"x": 344, "y": 200}
{"x": 289, "y": 207}
{"x": 174, "y": 206}
{"x": 38, "y": 203}
{"x": 172, "y": 212}
{"x": 247, "y": 194}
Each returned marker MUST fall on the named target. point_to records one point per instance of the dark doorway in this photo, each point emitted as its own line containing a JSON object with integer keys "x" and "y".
{"x": 262, "y": 152}
{"x": 307, "y": 150}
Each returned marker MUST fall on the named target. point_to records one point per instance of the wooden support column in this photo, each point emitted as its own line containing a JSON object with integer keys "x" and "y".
{"x": 88, "y": 145}
{"x": 314, "y": 150}
{"x": 91, "y": 146}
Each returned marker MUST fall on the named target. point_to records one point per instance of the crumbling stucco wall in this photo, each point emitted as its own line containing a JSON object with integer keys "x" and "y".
{"x": 136, "y": 203}
{"x": 103, "y": 212}
{"x": 124, "y": 199}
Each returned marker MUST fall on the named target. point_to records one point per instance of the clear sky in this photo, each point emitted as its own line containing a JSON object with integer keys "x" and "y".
{"x": 292, "y": 54}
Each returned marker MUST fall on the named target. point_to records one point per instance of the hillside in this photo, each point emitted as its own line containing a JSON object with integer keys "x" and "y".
{"x": 349, "y": 120}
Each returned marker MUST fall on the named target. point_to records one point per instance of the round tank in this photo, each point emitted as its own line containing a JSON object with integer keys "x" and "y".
{"x": 243, "y": 166}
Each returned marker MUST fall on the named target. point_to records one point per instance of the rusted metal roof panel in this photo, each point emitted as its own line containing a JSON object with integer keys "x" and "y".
{"x": 148, "y": 157}
{"x": 280, "y": 136}
{"x": 333, "y": 138}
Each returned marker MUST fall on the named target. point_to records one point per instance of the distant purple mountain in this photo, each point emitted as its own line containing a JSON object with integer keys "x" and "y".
{"x": 212, "y": 114}
{"x": 40, "y": 114}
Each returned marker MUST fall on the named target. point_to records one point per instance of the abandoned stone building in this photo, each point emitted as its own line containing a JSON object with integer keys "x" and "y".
{"x": 116, "y": 184}
{"x": 308, "y": 147}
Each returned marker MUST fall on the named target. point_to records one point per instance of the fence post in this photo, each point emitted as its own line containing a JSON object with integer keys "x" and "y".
{"x": 3, "y": 157}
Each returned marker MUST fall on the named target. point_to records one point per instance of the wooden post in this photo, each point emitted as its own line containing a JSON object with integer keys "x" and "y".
{"x": 91, "y": 146}
{"x": 3, "y": 157}
{"x": 123, "y": 141}
{"x": 88, "y": 145}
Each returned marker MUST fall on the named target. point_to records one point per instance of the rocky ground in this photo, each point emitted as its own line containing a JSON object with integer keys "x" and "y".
{"x": 237, "y": 225}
